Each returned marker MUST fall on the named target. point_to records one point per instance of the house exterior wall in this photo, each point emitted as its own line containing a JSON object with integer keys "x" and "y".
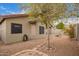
{"x": 32, "y": 30}
{"x": 0, "y": 32}
{"x": 36, "y": 35}
{"x": 41, "y": 35}
{"x": 3, "y": 32}
{"x": 18, "y": 36}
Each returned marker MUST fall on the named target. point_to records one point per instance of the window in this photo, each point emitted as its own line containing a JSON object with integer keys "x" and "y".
{"x": 41, "y": 30}
{"x": 16, "y": 28}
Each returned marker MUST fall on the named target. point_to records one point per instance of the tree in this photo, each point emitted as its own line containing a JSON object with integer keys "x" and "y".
{"x": 71, "y": 30}
{"x": 60, "y": 26}
{"x": 47, "y": 13}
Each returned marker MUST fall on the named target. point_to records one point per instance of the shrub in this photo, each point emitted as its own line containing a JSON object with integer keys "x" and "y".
{"x": 60, "y": 26}
{"x": 70, "y": 31}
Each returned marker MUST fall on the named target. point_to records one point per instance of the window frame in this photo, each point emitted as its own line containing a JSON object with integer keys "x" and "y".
{"x": 13, "y": 28}
{"x": 41, "y": 30}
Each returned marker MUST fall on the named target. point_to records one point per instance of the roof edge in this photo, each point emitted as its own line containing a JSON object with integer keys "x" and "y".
{"x": 4, "y": 17}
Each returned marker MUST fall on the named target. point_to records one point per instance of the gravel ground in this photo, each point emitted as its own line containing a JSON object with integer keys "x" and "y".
{"x": 61, "y": 46}
{"x": 11, "y": 49}
{"x": 30, "y": 53}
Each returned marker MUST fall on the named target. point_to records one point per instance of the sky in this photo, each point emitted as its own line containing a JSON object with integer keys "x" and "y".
{"x": 14, "y": 8}
{"x": 9, "y": 8}
{"x": 70, "y": 6}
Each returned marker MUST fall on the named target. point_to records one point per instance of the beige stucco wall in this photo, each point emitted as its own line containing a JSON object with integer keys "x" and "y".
{"x": 19, "y": 36}
{"x": 35, "y": 32}
{"x": 40, "y": 35}
{"x": 31, "y": 30}
{"x": 3, "y": 32}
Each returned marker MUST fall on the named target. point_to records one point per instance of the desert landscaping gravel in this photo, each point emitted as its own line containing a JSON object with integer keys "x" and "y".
{"x": 61, "y": 46}
{"x": 17, "y": 47}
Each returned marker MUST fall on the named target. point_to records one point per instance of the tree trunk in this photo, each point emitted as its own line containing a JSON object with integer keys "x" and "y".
{"x": 48, "y": 38}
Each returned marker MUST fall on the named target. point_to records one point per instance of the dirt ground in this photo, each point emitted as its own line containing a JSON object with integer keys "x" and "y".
{"x": 61, "y": 46}
{"x": 17, "y": 47}
{"x": 64, "y": 46}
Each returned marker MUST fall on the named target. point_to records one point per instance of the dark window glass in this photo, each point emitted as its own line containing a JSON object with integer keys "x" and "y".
{"x": 41, "y": 30}
{"x": 16, "y": 28}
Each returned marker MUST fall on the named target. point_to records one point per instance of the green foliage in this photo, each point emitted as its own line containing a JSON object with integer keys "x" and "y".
{"x": 70, "y": 30}
{"x": 47, "y": 12}
{"x": 60, "y": 26}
